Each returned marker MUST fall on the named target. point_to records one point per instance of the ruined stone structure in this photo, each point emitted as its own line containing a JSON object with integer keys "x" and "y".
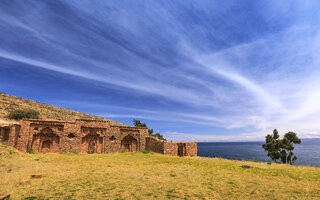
{"x": 87, "y": 136}
{"x": 171, "y": 148}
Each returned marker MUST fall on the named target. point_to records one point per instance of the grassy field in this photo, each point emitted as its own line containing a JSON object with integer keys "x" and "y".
{"x": 151, "y": 176}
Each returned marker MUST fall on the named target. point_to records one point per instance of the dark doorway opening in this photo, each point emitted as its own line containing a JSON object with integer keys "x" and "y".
{"x": 181, "y": 149}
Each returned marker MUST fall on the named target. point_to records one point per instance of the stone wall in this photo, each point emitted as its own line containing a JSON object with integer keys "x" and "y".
{"x": 171, "y": 148}
{"x": 155, "y": 145}
{"x": 87, "y": 136}
{"x": 192, "y": 148}
{"x": 83, "y": 136}
{"x": 14, "y": 135}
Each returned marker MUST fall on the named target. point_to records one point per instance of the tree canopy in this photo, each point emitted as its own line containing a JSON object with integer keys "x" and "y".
{"x": 281, "y": 149}
{"x": 273, "y": 145}
{"x": 138, "y": 123}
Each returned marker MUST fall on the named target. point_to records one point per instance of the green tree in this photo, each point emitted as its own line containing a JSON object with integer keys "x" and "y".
{"x": 23, "y": 114}
{"x": 287, "y": 147}
{"x": 150, "y": 131}
{"x": 138, "y": 123}
{"x": 272, "y": 145}
{"x": 159, "y": 136}
{"x": 281, "y": 148}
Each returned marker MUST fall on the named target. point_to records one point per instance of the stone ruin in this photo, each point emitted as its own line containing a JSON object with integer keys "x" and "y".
{"x": 87, "y": 136}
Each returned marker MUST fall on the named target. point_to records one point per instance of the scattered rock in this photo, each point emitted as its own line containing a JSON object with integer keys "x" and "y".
{"x": 173, "y": 175}
{"x": 26, "y": 181}
{"x": 36, "y": 176}
{"x": 4, "y": 196}
{"x": 246, "y": 166}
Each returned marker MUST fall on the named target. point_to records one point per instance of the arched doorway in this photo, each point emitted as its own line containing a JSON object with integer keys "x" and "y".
{"x": 46, "y": 146}
{"x": 129, "y": 144}
{"x": 46, "y": 141}
{"x": 91, "y": 146}
{"x": 92, "y": 142}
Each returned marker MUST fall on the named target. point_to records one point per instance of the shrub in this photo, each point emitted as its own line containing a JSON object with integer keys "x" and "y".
{"x": 90, "y": 151}
{"x": 144, "y": 151}
{"x": 23, "y": 114}
{"x": 255, "y": 160}
{"x": 5, "y": 143}
{"x": 269, "y": 163}
{"x": 30, "y": 151}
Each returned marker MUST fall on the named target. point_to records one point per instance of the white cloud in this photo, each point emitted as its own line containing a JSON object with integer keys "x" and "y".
{"x": 271, "y": 82}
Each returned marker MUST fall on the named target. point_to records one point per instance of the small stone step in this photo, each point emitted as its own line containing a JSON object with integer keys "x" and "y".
{"x": 36, "y": 176}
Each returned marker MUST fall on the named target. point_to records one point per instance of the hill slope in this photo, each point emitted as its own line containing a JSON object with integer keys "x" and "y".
{"x": 9, "y": 102}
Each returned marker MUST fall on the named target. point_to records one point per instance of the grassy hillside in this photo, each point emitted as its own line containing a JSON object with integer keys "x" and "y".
{"x": 151, "y": 176}
{"x": 9, "y": 102}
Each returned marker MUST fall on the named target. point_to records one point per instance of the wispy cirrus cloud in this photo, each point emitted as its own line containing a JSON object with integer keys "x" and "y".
{"x": 211, "y": 68}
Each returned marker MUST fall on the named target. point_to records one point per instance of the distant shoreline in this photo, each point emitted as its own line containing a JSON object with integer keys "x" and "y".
{"x": 308, "y": 152}
{"x": 260, "y": 141}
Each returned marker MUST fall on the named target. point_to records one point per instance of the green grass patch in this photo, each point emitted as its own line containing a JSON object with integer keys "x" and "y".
{"x": 145, "y": 151}
{"x": 30, "y": 151}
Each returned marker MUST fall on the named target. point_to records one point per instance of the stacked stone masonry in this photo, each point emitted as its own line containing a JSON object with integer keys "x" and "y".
{"x": 87, "y": 136}
{"x": 171, "y": 148}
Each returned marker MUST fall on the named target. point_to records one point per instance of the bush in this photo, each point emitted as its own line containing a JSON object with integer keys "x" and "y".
{"x": 269, "y": 163}
{"x": 30, "y": 151}
{"x": 255, "y": 160}
{"x": 90, "y": 151}
{"x": 23, "y": 114}
{"x": 144, "y": 151}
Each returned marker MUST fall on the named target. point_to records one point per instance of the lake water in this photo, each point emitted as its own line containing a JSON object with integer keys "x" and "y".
{"x": 308, "y": 152}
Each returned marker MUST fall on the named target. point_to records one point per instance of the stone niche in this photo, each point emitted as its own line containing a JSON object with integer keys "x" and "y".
{"x": 129, "y": 140}
{"x": 4, "y": 134}
{"x": 129, "y": 143}
{"x": 45, "y": 141}
{"x": 92, "y": 140}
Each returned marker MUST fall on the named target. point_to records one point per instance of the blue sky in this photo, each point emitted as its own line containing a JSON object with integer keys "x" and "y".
{"x": 192, "y": 70}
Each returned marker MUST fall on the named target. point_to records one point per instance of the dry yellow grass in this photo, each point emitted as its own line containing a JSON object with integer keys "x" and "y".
{"x": 9, "y": 102}
{"x": 151, "y": 176}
